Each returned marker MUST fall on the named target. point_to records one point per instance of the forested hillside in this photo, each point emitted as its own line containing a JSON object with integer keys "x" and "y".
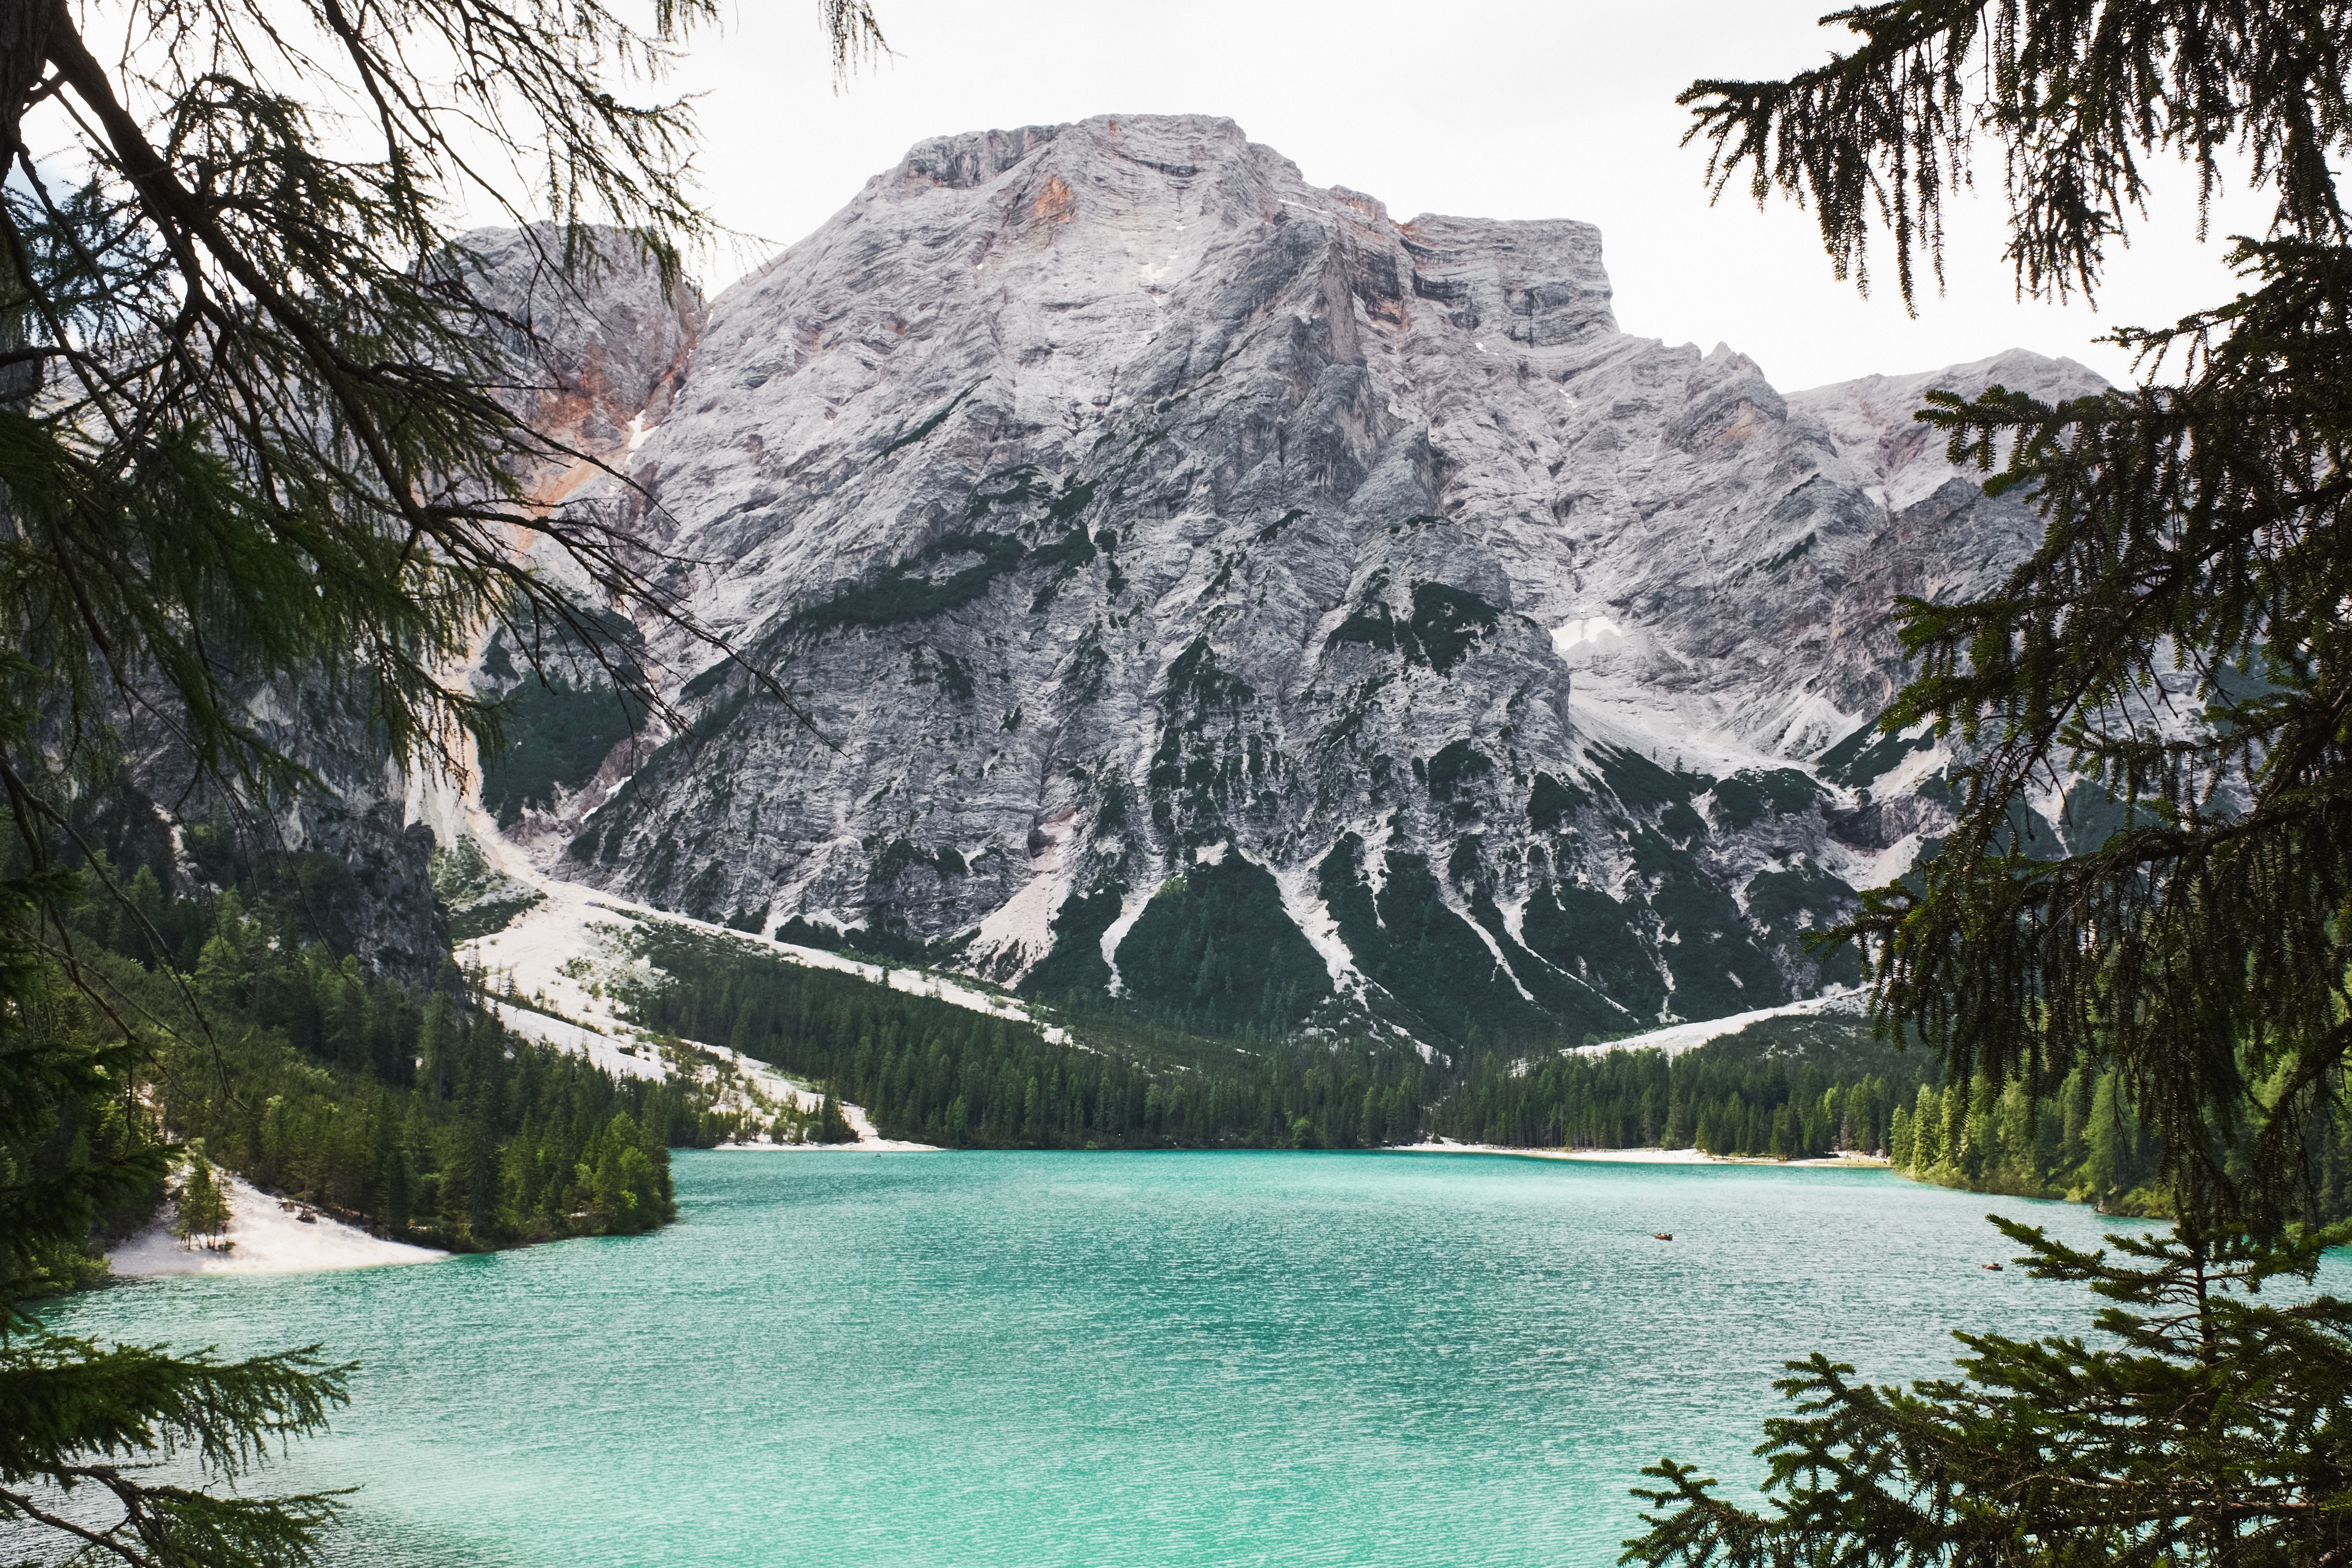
{"x": 1146, "y": 1074}
{"x": 417, "y": 1113}
{"x": 2086, "y": 1142}
{"x": 413, "y": 1113}
{"x": 931, "y": 1071}
{"x": 1793, "y": 1088}
{"x": 1801, "y": 1088}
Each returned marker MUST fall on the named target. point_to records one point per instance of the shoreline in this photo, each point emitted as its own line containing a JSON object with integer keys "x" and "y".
{"x": 1439, "y": 1146}
{"x": 864, "y": 1145}
{"x": 1643, "y": 1156}
{"x": 268, "y": 1239}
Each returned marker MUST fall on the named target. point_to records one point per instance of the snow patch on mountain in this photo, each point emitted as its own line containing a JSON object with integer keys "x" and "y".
{"x": 1120, "y": 502}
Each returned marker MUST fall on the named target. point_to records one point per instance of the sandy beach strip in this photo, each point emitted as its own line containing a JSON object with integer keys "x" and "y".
{"x": 1635, "y": 1157}
{"x": 874, "y": 1145}
{"x": 267, "y": 1241}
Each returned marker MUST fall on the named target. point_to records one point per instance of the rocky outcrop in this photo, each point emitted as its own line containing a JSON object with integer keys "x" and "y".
{"x": 348, "y": 847}
{"x": 598, "y": 345}
{"x": 340, "y": 851}
{"x": 1140, "y": 524}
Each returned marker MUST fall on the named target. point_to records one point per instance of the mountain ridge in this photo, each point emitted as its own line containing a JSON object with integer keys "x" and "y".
{"x": 1163, "y": 545}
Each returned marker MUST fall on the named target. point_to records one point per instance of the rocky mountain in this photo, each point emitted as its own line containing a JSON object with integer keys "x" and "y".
{"x": 352, "y": 849}
{"x": 1210, "y": 593}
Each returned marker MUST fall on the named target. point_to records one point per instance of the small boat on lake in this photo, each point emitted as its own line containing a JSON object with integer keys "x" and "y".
{"x": 1662, "y": 1234}
{"x": 1995, "y": 1267}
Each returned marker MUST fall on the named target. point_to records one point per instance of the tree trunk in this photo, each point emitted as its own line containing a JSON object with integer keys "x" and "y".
{"x": 25, "y": 31}
{"x": 25, "y": 27}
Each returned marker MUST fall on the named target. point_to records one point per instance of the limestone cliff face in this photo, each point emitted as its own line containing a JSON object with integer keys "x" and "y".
{"x": 596, "y": 355}
{"x": 1170, "y": 552}
{"x": 591, "y": 361}
{"x": 345, "y": 851}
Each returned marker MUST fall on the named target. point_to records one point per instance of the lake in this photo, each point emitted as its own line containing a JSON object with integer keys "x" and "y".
{"x": 1154, "y": 1359}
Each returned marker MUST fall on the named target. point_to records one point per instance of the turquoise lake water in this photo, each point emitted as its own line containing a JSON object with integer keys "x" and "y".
{"x": 1022, "y": 1359}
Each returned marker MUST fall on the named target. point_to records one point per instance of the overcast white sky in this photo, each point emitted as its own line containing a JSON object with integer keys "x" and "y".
{"x": 1510, "y": 108}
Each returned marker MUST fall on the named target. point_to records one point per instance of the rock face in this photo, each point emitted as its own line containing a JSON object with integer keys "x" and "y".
{"x": 597, "y": 356}
{"x": 1207, "y": 588}
{"x": 347, "y": 849}
{"x": 345, "y": 853}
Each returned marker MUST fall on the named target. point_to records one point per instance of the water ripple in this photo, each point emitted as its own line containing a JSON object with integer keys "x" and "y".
{"x": 962, "y": 1361}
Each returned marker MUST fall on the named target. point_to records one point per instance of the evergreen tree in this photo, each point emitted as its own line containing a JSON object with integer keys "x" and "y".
{"x": 2180, "y": 985}
{"x": 2176, "y": 643}
{"x": 2205, "y": 1427}
{"x": 832, "y": 1127}
{"x": 203, "y": 1209}
{"x": 252, "y": 431}
{"x": 77, "y": 1415}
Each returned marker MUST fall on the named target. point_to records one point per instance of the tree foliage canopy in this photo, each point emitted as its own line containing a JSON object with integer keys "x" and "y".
{"x": 263, "y": 423}
{"x": 2178, "y": 641}
{"x": 2206, "y": 1426}
{"x": 259, "y": 430}
{"x": 2076, "y": 94}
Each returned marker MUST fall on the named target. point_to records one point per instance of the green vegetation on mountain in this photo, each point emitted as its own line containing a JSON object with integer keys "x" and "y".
{"x": 1073, "y": 969}
{"x": 1423, "y": 955}
{"x": 1550, "y": 804}
{"x": 856, "y": 941}
{"x": 1445, "y": 624}
{"x": 1583, "y": 931}
{"x": 1214, "y": 950}
{"x": 552, "y": 737}
{"x": 1455, "y": 776}
{"x": 1862, "y": 758}
{"x": 2150, "y": 1006}
{"x": 1788, "y": 1088}
{"x": 474, "y": 899}
{"x": 1641, "y": 785}
{"x": 933, "y": 1071}
{"x": 1747, "y": 797}
{"x": 1210, "y": 758}
{"x": 417, "y": 1115}
{"x": 917, "y": 589}
{"x": 1719, "y": 969}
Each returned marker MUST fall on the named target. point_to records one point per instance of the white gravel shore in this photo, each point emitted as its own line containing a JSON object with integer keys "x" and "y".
{"x": 266, "y": 1239}
{"x": 1633, "y": 1157}
{"x": 868, "y": 1143}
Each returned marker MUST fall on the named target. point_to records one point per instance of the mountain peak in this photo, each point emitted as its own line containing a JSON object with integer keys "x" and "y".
{"x": 1210, "y": 592}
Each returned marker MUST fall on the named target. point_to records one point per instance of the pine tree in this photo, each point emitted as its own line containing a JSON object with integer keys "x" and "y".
{"x": 832, "y": 1127}
{"x": 73, "y": 1142}
{"x": 254, "y": 429}
{"x": 1927, "y": 1130}
{"x": 2178, "y": 641}
{"x": 399, "y": 1185}
{"x": 203, "y": 1209}
{"x": 2204, "y": 1427}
